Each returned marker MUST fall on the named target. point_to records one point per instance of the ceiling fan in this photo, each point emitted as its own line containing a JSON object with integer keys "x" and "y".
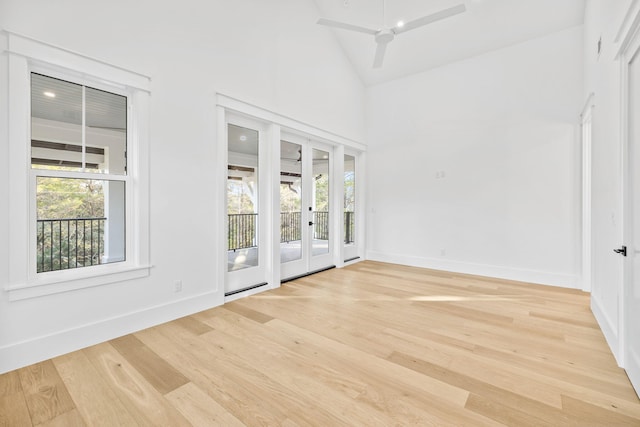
{"x": 385, "y": 35}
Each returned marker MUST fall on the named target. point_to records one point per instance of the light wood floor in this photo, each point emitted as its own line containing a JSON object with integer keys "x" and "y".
{"x": 369, "y": 345}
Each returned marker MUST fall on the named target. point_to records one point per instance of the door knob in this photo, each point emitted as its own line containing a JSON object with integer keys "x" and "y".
{"x": 622, "y": 251}
{"x": 310, "y": 223}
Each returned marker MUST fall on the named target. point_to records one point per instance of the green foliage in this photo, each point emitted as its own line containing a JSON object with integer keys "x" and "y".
{"x": 290, "y": 198}
{"x": 239, "y": 198}
{"x": 69, "y": 198}
{"x": 349, "y": 191}
{"x": 72, "y": 243}
{"x": 321, "y": 188}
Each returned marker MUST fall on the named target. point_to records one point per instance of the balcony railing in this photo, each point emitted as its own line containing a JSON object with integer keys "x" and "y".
{"x": 66, "y": 243}
{"x": 320, "y": 225}
{"x": 349, "y": 227}
{"x": 242, "y": 231}
{"x": 290, "y": 226}
{"x": 242, "y": 228}
{"x": 69, "y": 243}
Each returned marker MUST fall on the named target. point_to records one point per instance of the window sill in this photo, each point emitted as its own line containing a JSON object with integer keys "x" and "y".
{"x": 71, "y": 280}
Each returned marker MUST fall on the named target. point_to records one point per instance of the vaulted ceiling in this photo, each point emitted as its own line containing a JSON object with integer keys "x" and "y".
{"x": 485, "y": 26}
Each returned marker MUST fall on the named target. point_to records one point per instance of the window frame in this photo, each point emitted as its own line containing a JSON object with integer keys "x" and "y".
{"x": 27, "y": 56}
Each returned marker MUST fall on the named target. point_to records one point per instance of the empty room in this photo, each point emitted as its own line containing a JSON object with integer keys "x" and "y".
{"x": 320, "y": 212}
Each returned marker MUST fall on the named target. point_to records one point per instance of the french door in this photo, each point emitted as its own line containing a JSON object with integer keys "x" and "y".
{"x": 306, "y": 219}
{"x": 246, "y": 204}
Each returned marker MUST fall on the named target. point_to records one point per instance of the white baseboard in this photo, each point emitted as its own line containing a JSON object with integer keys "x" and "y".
{"x": 633, "y": 370}
{"x": 609, "y": 329}
{"x": 24, "y": 353}
{"x": 500, "y": 272}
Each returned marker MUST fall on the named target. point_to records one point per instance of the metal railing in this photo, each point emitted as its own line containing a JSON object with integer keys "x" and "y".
{"x": 242, "y": 231}
{"x": 290, "y": 226}
{"x": 66, "y": 243}
{"x": 349, "y": 227}
{"x": 243, "y": 228}
{"x": 321, "y": 225}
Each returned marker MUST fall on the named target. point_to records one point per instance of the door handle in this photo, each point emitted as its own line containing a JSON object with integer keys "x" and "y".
{"x": 622, "y": 251}
{"x": 310, "y": 222}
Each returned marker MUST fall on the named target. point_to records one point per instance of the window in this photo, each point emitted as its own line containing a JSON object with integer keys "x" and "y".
{"x": 79, "y": 170}
{"x": 78, "y": 132}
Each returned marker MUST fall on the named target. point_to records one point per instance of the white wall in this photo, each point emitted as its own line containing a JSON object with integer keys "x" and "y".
{"x": 475, "y": 166}
{"x": 267, "y": 53}
{"x": 602, "y": 78}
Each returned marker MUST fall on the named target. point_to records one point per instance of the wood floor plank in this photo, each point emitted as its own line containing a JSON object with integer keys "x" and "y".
{"x": 193, "y": 325}
{"x": 96, "y": 402}
{"x": 10, "y": 384}
{"x": 14, "y": 411}
{"x": 153, "y": 368}
{"x": 370, "y": 344}
{"x": 44, "y": 391}
{"x": 200, "y": 409}
{"x": 248, "y": 313}
{"x": 507, "y": 396}
{"x": 510, "y": 416}
{"x": 586, "y": 414}
{"x": 614, "y": 386}
{"x": 68, "y": 419}
{"x": 146, "y": 405}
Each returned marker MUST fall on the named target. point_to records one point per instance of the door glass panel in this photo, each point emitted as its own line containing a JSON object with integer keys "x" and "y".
{"x": 242, "y": 198}
{"x": 349, "y": 199}
{"x": 320, "y": 202}
{"x": 290, "y": 201}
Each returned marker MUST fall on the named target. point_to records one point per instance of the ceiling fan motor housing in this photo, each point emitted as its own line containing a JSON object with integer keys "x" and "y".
{"x": 385, "y": 36}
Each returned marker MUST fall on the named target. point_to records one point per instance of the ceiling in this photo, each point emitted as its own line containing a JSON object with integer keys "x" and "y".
{"x": 61, "y": 101}
{"x": 486, "y": 25}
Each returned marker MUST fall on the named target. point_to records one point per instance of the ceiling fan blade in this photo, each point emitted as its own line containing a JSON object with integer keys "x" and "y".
{"x": 345, "y": 26}
{"x": 380, "y": 50}
{"x": 455, "y": 10}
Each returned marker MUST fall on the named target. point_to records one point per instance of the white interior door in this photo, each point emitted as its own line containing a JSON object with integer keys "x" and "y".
{"x": 305, "y": 206}
{"x": 632, "y": 271}
{"x": 247, "y": 204}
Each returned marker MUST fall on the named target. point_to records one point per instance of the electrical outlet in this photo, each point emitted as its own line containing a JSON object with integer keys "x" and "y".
{"x": 177, "y": 286}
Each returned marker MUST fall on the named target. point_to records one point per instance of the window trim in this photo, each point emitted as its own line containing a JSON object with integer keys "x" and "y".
{"x": 26, "y": 56}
